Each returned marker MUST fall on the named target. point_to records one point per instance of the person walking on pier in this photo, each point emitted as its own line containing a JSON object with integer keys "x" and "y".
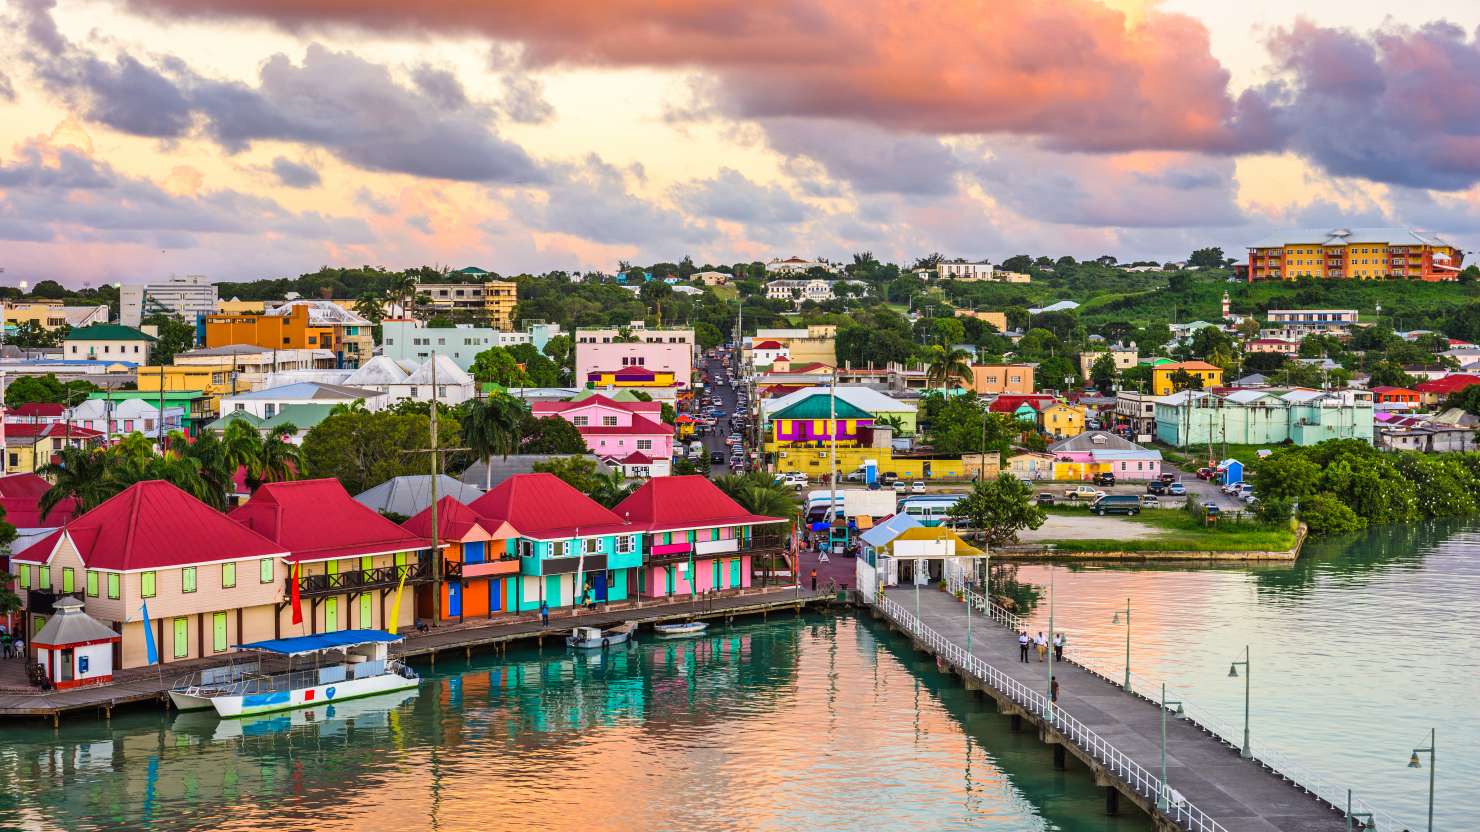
{"x": 1058, "y": 646}
{"x": 1053, "y": 689}
{"x": 544, "y": 614}
{"x": 1041, "y": 645}
{"x": 814, "y": 580}
{"x": 1023, "y": 642}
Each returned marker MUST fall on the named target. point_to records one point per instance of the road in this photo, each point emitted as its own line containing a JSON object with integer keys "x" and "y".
{"x": 715, "y": 441}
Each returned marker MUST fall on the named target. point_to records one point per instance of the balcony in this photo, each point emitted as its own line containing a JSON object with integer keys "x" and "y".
{"x": 566, "y": 566}
{"x": 361, "y": 580}
{"x": 506, "y": 565}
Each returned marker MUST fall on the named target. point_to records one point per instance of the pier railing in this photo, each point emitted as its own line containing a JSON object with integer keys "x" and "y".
{"x": 1133, "y": 774}
{"x": 981, "y": 603}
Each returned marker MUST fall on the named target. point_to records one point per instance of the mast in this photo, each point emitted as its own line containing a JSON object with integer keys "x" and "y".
{"x": 436, "y": 470}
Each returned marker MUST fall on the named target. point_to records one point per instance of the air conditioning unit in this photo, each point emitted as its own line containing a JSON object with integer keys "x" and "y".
{"x": 782, "y": 454}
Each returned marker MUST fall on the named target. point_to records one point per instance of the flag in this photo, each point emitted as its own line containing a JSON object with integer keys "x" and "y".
{"x": 153, "y": 650}
{"x": 297, "y": 597}
{"x": 395, "y": 621}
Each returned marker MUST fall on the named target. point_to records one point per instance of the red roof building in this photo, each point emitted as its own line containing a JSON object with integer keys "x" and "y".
{"x": 1009, "y": 403}
{"x": 1385, "y": 394}
{"x": 767, "y": 345}
{"x": 455, "y": 521}
{"x": 544, "y": 507}
{"x": 480, "y": 577}
{"x": 1436, "y": 390}
{"x": 317, "y": 520}
{"x": 543, "y": 409}
{"x": 686, "y": 502}
{"x": 36, "y": 412}
{"x": 20, "y": 496}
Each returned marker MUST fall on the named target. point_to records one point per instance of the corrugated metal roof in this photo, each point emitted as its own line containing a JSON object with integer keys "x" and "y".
{"x": 318, "y": 520}
{"x": 684, "y": 502}
{"x": 545, "y": 507}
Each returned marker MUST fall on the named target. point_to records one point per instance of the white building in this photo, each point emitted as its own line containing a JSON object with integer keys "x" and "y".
{"x": 796, "y": 265}
{"x": 410, "y": 341}
{"x": 265, "y": 403}
{"x": 185, "y": 297}
{"x": 119, "y": 418}
{"x": 959, "y": 269}
{"x": 801, "y": 290}
{"x": 391, "y": 377}
{"x": 108, "y": 342}
{"x": 1302, "y": 322}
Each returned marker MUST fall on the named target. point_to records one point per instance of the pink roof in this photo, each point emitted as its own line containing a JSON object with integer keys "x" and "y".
{"x": 688, "y": 502}
{"x": 634, "y": 371}
{"x": 641, "y": 426}
{"x": 318, "y": 520}
{"x": 154, "y": 525}
{"x": 20, "y": 496}
{"x": 454, "y": 522}
{"x": 545, "y": 507}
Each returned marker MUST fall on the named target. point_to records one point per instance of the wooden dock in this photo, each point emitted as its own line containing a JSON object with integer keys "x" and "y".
{"x": 1117, "y": 735}
{"x": 144, "y": 687}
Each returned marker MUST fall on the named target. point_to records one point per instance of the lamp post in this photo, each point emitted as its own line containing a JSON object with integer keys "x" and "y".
{"x": 1414, "y": 763}
{"x": 969, "y": 604}
{"x": 1365, "y": 817}
{"x": 1126, "y": 686}
{"x": 1233, "y": 674}
{"x": 1048, "y": 709}
{"x": 1163, "y": 799}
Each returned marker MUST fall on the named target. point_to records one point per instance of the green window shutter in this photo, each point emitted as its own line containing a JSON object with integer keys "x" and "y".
{"x": 228, "y": 575}
{"x": 400, "y": 558}
{"x": 265, "y": 570}
{"x": 92, "y": 584}
{"x": 187, "y": 579}
{"x": 146, "y": 584}
{"x": 365, "y": 561}
{"x": 113, "y": 585}
{"x": 46, "y": 578}
{"x": 25, "y": 576}
{"x": 69, "y": 579}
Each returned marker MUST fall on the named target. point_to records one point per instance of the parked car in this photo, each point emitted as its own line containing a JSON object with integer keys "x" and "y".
{"x": 1084, "y": 492}
{"x": 917, "y": 487}
{"x": 1105, "y": 478}
{"x": 1127, "y": 504}
{"x": 1210, "y": 508}
{"x": 901, "y": 487}
{"x": 1045, "y": 498}
{"x": 1150, "y": 501}
{"x": 1169, "y": 478}
{"x": 888, "y": 477}
{"x": 1206, "y": 473}
{"x": 1231, "y": 487}
{"x": 717, "y": 458}
{"x": 1177, "y": 489}
{"x": 1156, "y": 487}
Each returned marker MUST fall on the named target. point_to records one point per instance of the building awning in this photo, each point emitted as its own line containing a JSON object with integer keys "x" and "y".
{"x": 302, "y": 645}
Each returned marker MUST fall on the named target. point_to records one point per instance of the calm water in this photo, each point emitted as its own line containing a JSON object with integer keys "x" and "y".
{"x": 817, "y": 724}
{"x": 1357, "y": 651}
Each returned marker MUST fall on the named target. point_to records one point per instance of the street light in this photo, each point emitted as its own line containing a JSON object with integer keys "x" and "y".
{"x": 1127, "y": 684}
{"x": 1413, "y": 762}
{"x": 1162, "y": 797}
{"x": 1364, "y": 819}
{"x": 1248, "y": 674}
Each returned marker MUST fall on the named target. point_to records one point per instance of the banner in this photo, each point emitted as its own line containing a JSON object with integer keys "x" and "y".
{"x": 150, "y": 646}
{"x": 395, "y": 622}
{"x": 297, "y": 596}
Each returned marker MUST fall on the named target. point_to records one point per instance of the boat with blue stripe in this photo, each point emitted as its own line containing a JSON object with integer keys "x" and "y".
{"x": 275, "y": 674}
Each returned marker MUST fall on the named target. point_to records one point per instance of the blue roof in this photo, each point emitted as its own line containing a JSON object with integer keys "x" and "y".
{"x": 323, "y": 641}
{"x": 880, "y": 535}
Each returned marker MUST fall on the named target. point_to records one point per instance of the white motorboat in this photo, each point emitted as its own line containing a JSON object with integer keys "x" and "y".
{"x": 682, "y": 629}
{"x": 346, "y": 665}
{"x": 589, "y": 638}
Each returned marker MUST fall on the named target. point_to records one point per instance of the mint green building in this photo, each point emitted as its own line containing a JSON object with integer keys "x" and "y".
{"x": 1263, "y": 417}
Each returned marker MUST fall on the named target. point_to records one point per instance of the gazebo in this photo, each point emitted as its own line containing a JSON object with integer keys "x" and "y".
{"x": 73, "y": 648}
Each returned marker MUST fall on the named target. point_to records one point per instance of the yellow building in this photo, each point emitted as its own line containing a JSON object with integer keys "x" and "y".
{"x": 996, "y": 319}
{"x": 1161, "y": 375}
{"x": 813, "y": 461}
{"x": 493, "y": 299}
{"x": 1061, "y": 420}
{"x": 240, "y": 307}
{"x": 631, "y": 376}
{"x": 1356, "y": 254}
{"x": 54, "y": 315}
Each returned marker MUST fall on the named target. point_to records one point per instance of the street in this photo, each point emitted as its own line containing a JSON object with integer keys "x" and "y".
{"x": 715, "y": 440}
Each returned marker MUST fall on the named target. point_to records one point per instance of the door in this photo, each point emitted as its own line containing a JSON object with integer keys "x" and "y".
{"x": 668, "y": 581}
{"x": 552, "y": 590}
{"x": 218, "y": 632}
{"x": 454, "y": 599}
{"x": 714, "y": 574}
{"x": 64, "y": 665}
{"x": 331, "y": 615}
{"x": 495, "y": 594}
{"x": 182, "y": 638}
{"x": 598, "y": 586}
{"x": 367, "y": 612}
{"x": 734, "y": 572}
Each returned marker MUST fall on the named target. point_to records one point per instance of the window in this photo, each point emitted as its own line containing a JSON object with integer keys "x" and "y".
{"x": 557, "y": 549}
{"x": 69, "y": 580}
{"x": 580, "y": 421}
{"x": 644, "y": 444}
{"x": 608, "y": 421}
{"x": 146, "y": 584}
{"x": 113, "y": 585}
{"x": 44, "y": 581}
{"x": 92, "y": 584}
{"x": 593, "y": 546}
{"x": 265, "y": 571}
{"x": 187, "y": 579}
{"x": 625, "y": 544}
{"x": 228, "y": 575}
{"x": 25, "y": 576}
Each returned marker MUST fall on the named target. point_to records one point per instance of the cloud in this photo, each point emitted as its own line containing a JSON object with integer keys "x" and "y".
{"x": 7, "y": 89}
{"x": 1075, "y": 73}
{"x": 593, "y": 201}
{"x": 731, "y": 196}
{"x": 524, "y": 99}
{"x": 1400, "y": 106}
{"x": 354, "y": 109}
{"x": 870, "y": 159}
{"x": 294, "y": 175}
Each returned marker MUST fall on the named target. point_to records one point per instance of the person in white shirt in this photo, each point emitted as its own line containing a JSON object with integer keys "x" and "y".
{"x": 1041, "y": 643}
{"x": 1023, "y": 642}
{"x": 1058, "y": 646}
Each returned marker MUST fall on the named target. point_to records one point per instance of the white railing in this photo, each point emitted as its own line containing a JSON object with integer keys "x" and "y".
{"x": 1133, "y": 774}
{"x": 1007, "y": 618}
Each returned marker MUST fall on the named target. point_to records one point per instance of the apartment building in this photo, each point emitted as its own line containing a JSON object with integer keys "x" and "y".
{"x": 1356, "y": 254}
{"x": 959, "y": 269}
{"x": 480, "y": 296}
{"x": 1124, "y": 360}
{"x": 1002, "y": 378}
{"x": 188, "y": 298}
{"x": 54, "y": 315}
{"x": 608, "y": 351}
{"x": 298, "y": 324}
{"x": 1263, "y": 417}
{"x": 108, "y": 342}
{"x": 408, "y": 340}
{"x": 1298, "y": 323}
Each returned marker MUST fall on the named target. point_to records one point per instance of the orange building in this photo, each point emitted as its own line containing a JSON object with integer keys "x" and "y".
{"x": 1355, "y": 254}
{"x": 300, "y": 325}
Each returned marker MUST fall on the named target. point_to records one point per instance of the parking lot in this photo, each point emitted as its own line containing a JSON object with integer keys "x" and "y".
{"x": 1087, "y": 527}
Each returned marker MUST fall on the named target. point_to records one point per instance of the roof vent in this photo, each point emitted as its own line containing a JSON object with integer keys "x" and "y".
{"x": 1341, "y": 232}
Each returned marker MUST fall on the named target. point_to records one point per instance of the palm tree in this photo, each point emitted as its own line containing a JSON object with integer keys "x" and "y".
{"x": 759, "y": 493}
{"x": 185, "y": 474}
{"x": 492, "y": 426}
{"x": 891, "y": 421}
{"x": 371, "y": 307}
{"x": 403, "y": 287}
{"x": 213, "y": 464}
{"x": 278, "y": 460}
{"x": 77, "y": 473}
{"x": 242, "y": 444}
{"x": 947, "y": 365}
{"x": 611, "y": 488}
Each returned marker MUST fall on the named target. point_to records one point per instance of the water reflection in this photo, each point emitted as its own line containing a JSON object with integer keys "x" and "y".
{"x": 818, "y": 723}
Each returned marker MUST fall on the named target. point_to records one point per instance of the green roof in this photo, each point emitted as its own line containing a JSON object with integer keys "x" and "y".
{"x": 470, "y": 270}
{"x": 817, "y": 406}
{"x": 221, "y": 423}
{"x": 301, "y": 416}
{"x": 151, "y": 396}
{"x": 618, "y": 396}
{"x": 109, "y": 332}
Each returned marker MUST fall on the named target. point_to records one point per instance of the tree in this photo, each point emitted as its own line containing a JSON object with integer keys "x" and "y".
{"x": 492, "y": 426}
{"x": 1290, "y": 474}
{"x": 538, "y": 368}
{"x": 562, "y": 350}
{"x": 48, "y": 389}
{"x": 371, "y": 307}
{"x": 550, "y": 435}
{"x": 1017, "y": 263}
{"x": 76, "y": 473}
{"x": 611, "y": 488}
{"x": 362, "y": 449}
{"x": 49, "y": 289}
{"x": 947, "y": 365}
{"x": 758, "y": 493}
{"x": 1183, "y": 380}
{"x": 1207, "y": 258}
{"x": 961, "y": 425}
{"x": 1388, "y": 374}
{"x": 1056, "y": 373}
{"x": 498, "y": 366}
{"x": 1326, "y": 515}
{"x": 1179, "y": 283}
{"x": 999, "y": 509}
{"x": 1103, "y": 373}
{"x": 175, "y": 336}
{"x": 579, "y": 472}
{"x": 708, "y": 335}
{"x": 1467, "y": 399}
{"x": 1266, "y": 363}
{"x": 32, "y": 335}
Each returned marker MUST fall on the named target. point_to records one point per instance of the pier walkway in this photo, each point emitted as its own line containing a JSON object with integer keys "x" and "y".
{"x": 145, "y": 685}
{"x": 1117, "y": 735}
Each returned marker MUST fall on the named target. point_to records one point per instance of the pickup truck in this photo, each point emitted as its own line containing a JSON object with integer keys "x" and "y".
{"x": 1084, "y": 492}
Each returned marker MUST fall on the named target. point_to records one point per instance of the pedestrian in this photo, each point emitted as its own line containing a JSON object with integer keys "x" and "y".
{"x": 1040, "y": 643}
{"x": 1053, "y": 689}
{"x": 1058, "y": 647}
{"x": 1023, "y": 642}
{"x": 544, "y": 614}
{"x": 589, "y": 596}
{"x": 19, "y": 646}
{"x": 814, "y": 580}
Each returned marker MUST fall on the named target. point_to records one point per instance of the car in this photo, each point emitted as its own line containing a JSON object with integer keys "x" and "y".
{"x": 901, "y": 487}
{"x": 1230, "y": 487}
{"x": 1156, "y": 487}
{"x": 1046, "y": 498}
{"x": 1169, "y": 478}
{"x": 853, "y": 476}
{"x": 917, "y": 487}
{"x": 1105, "y": 478}
{"x": 717, "y": 458}
{"x": 1250, "y": 498}
{"x": 888, "y": 477}
{"x": 1206, "y": 473}
{"x": 1084, "y": 492}
{"x": 1127, "y": 504}
{"x": 733, "y": 439}
{"x": 1150, "y": 501}
{"x": 1210, "y": 508}
{"x": 1177, "y": 489}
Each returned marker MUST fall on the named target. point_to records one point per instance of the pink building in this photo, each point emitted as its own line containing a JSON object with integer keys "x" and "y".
{"x": 607, "y": 351}
{"x": 619, "y": 431}
{"x": 1102, "y": 452}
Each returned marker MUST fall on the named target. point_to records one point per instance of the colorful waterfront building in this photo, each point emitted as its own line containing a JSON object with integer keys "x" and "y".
{"x": 695, "y": 538}
{"x": 569, "y": 546}
{"x": 208, "y": 582}
{"x": 1102, "y": 452}
{"x": 482, "y": 562}
{"x": 348, "y": 559}
{"x": 617, "y": 431}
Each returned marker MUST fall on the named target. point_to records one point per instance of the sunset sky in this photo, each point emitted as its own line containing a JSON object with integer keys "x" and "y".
{"x": 248, "y": 139}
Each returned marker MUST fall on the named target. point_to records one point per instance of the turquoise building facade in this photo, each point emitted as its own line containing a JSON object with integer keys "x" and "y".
{"x": 1263, "y": 417}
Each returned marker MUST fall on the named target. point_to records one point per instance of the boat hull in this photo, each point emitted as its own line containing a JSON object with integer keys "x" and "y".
{"x": 597, "y": 644}
{"x": 680, "y": 630}
{"x": 260, "y": 703}
{"x": 184, "y": 701}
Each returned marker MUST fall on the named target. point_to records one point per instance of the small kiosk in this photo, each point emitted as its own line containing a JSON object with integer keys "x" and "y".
{"x": 73, "y": 648}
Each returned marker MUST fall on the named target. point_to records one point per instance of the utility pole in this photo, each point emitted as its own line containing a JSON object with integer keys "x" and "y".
{"x": 832, "y": 432}
{"x": 436, "y": 471}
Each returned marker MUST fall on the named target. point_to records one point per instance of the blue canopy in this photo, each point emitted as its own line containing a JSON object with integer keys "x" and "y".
{"x": 299, "y": 645}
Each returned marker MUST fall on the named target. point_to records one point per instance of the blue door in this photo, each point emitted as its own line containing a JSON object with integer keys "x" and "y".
{"x": 454, "y": 599}
{"x": 598, "y": 584}
{"x": 495, "y": 595}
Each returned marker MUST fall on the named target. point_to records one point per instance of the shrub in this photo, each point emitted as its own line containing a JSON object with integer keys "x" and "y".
{"x": 1326, "y": 515}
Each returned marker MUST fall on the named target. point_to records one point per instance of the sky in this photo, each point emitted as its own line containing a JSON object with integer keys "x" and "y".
{"x": 246, "y": 139}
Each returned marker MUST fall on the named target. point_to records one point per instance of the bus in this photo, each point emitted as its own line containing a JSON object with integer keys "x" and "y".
{"x": 930, "y": 509}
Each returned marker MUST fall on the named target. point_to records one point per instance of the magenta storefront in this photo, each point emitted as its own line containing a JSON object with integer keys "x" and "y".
{"x": 713, "y": 554}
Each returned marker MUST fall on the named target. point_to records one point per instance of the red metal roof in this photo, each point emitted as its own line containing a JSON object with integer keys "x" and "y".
{"x": 1448, "y": 384}
{"x": 637, "y": 458}
{"x": 767, "y": 345}
{"x": 38, "y": 409}
{"x": 318, "y": 520}
{"x": 154, "y": 525}
{"x": 33, "y": 431}
{"x": 545, "y": 507}
{"x": 20, "y": 496}
{"x": 454, "y": 521}
{"x": 641, "y": 426}
{"x": 1008, "y": 403}
{"x": 688, "y": 502}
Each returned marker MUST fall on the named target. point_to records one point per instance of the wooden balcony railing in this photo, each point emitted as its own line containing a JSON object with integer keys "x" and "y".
{"x": 361, "y": 580}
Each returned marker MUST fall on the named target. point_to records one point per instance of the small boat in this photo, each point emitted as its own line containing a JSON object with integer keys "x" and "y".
{"x": 593, "y": 637}
{"x": 681, "y": 629}
{"x": 346, "y": 665}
